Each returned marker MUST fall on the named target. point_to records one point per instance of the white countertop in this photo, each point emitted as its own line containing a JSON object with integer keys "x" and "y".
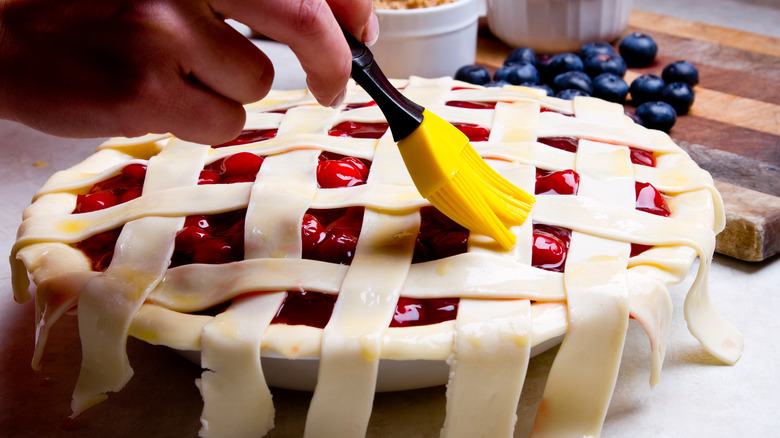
{"x": 696, "y": 396}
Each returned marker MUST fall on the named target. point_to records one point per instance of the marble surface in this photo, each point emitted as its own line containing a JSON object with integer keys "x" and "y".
{"x": 696, "y": 396}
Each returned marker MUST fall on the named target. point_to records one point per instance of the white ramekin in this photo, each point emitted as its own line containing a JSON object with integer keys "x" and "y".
{"x": 554, "y": 26}
{"x": 428, "y": 42}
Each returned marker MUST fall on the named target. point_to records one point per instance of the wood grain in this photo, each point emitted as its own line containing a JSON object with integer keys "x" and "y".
{"x": 726, "y": 137}
{"x": 704, "y": 32}
{"x": 752, "y": 230}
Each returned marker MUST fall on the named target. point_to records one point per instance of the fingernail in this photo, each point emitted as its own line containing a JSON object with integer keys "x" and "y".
{"x": 371, "y": 32}
{"x": 339, "y": 99}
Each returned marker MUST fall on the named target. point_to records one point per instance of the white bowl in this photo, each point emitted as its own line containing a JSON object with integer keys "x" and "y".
{"x": 429, "y": 42}
{"x": 555, "y": 26}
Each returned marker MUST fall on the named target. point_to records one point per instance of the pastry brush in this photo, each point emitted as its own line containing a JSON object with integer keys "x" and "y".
{"x": 445, "y": 168}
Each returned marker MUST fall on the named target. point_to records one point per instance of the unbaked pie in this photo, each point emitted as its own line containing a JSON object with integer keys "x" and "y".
{"x": 304, "y": 240}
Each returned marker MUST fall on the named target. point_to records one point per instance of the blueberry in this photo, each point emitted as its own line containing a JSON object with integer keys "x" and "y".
{"x": 521, "y": 54}
{"x": 517, "y": 73}
{"x": 646, "y": 88}
{"x": 657, "y": 115}
{"x": 638, "y": 49}
{"x": 497, "y": 84}
{"x": 681, "y": 71}
{"x": 679, "y": 95}
{"x": 544, "y": 87}
{"x": 604, "y": 63}
{"x": 573, "y": 80}
{"x": 558, "y": 64}
{"x": 570, "y": 94}
{"x": 611, "y": 87}
{"x": 473, "y": 74}
{"x": 596, "y": 48}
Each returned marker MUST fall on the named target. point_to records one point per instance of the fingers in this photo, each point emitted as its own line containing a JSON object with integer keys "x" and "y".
{"x": 82, "y": 68}
{"x": 132, "y": 67}
{"x": 310, "y": 28}
{"x": 224, "y": 61}
{"x": 196, "y": 91}
{"x": 358, "y": 18}
{"x": 183, "y": 108}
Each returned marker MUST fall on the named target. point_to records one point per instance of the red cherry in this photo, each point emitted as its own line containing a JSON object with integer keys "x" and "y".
{"x": 215, "y": 166}
{"x": 568, "y": 144}
{"x": 216, "y": 238}
{"x": 338, "y": 247}
{"x": 439, "y": 236}
{"x": 642, "y": 157}
{"x": 434, "y": 214}
{"x": 407, "y": 312}
{"x": 440, "y": 309}
{"x": 429, "y": 227}
{"x": 95, "y": 201}
{"x": 312, "y": 234}
{"x": 189, "y": 237}
{"x": 212, "y": 251}
{"x": 208, "y": 177}
{"x": 326, "y": 216}
{"x": 108, "y": 185}
{"x": 421, "y": 253}
{"x": 200, "y": 220}
{"x": 473, "y": 132}
{"x": 471, "y": 105}
{"x": 238, "y": 179}
{"x": 333, "y": 174}
{"x": 358, "y": 130}
{"x": 650, "y": 200}
{"x": 564, "y": 182}
{"x": 100, "y": 248}
{"x": 305, "y": 308}
{"x": 358, "y": 164}
{"x": 342, "y": 231}
{"x": 349, "y": 222}
{"x": 450, "y": 242}
{"x": 637, "y": 248}
{"x": 550, "y": 110}
{"x": 234, "y": 233}
{"x": 134, "y": 172}
{"x": 550, "y": 247}
{"x": 249, "y": 136}
{"x": 241, "y": 164}
{"x": 410, "y": 312}
{"x": 129, "y": 195}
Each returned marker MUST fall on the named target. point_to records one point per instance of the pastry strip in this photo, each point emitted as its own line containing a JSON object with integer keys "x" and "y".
{"x": 237, "y": 401}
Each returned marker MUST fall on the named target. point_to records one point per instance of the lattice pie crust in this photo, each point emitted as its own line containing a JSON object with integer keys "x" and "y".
{"x": 506, "y": 305}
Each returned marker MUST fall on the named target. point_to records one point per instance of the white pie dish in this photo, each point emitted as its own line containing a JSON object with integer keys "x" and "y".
{"x": 395, "y": 374}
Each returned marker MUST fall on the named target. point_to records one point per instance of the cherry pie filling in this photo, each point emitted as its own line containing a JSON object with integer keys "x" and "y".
{"x": 249, "y": 136}
{"x": 332, "y": 235}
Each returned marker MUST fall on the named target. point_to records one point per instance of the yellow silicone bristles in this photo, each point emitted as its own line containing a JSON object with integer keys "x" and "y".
{"x": 450, "y": 174}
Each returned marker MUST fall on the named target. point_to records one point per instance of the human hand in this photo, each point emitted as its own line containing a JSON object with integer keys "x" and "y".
{"x": 90, "y": 68}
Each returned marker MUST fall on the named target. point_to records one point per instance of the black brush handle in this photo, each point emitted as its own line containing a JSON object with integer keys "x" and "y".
{"x": 403, "y": 115}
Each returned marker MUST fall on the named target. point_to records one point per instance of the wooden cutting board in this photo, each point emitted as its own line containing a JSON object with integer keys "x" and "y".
{"x": 733, "y": 129}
